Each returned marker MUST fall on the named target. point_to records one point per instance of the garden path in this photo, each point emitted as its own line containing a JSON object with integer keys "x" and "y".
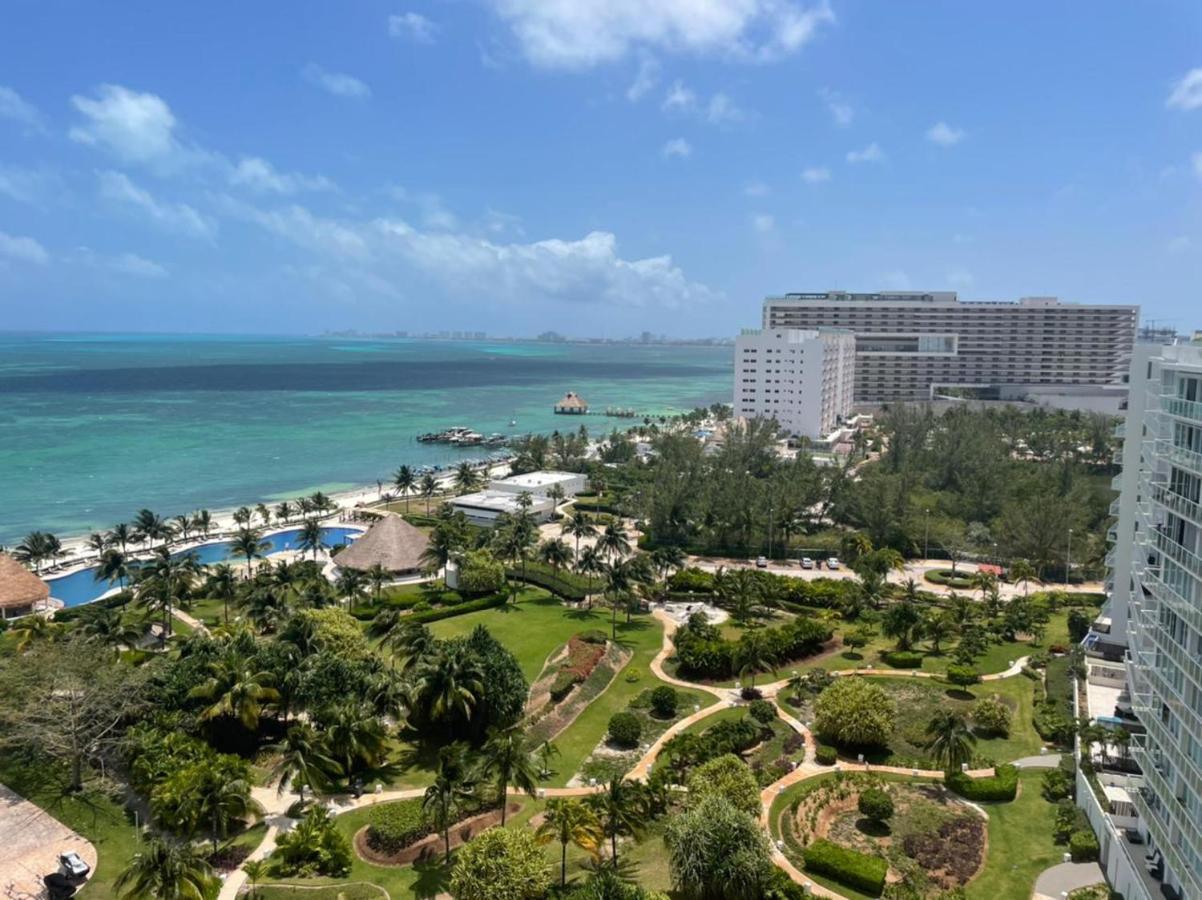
{"x": 1054, "y": 883}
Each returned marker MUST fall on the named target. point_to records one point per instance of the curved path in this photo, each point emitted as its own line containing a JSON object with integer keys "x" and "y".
{"x": 1054, "y": 883}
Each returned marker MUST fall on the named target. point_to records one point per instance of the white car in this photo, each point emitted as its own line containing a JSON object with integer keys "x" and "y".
{"x": 72, "y": 865}
{"x": 761, "y": 562}
{"x": 807, "y": 563}
{"x": 832, "y": 563}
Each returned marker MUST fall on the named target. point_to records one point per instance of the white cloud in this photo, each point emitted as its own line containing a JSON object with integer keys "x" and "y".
{"x": 841, "y": 111}
{"x": 577, "y": 34}
{"x": 176, "y": 217}
{"x": 763, "y": 222}
{"x": 134, "y": 127}
{"x": 1187, "y": 93}
{"x": 433, "y": 211}
{"x": 413, "y": 26}
{"x": 35, "y": 187}
{"x": 259, "y": 175}
{"x": 337, "y": 83}
{"x": 645, "y": 79}
{"x": 721, "y": 109}
{"x": 1179, "y": 244}
{"x": 755, "y": 189}
{"x": 945, "y": 135}
{"x": 678, "y": 148}
{"x": 299, "y": 226}
{"x": 139, "y": 266}
{"x": 679, "y": 97}
{"x": 16, "y": 109}
{"x": 815, "y": 174}
{"x": 870, "y": 154}
{"x": 22, "y": 249}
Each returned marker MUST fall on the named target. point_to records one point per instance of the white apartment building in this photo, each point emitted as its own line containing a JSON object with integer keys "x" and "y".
{"x": 802, "y": 378}
{"x": 910, "y": 345}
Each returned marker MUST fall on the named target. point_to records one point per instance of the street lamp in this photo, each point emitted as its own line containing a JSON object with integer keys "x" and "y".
{"x": 1068, "y": 558}
{"x": 926, "y": 540}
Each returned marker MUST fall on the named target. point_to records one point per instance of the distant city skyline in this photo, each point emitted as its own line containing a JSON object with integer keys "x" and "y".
{"x": 513, "y": 167}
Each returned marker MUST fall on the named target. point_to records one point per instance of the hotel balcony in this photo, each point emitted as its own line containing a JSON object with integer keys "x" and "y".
{"x": 1116, "y": 505}
{"x": 1174, "y": 502}
{"x": 1182, "y": 409}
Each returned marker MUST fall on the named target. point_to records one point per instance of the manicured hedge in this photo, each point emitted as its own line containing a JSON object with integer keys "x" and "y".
{"x": 702, "y": 652}
{"x": 902, "y": 659}
{"x": 435, "y": 615}
{"x": 944, "y": 577}
{"x": 1002, "y": 786}
{"x": 826, "y": 755}
{"x": 563, "y": 584}
{"x": 394, "y": 826}
{"x": 1083, "y": 846}
{"x": 856, "y": 870}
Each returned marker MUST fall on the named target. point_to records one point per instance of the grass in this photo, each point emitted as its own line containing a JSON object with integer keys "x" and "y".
{"x": 91, "y": 813}
{"x": 350, "y": 891}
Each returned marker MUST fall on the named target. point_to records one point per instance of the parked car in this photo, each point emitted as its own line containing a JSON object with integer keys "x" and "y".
{"x": 761, "y": 562}
{"x": 72, "y": 865}
{"x": 807, "y": 563}
{"x": 832, "y": 563}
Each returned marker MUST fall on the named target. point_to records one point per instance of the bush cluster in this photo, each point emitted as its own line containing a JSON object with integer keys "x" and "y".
{"x": 902, "y": 659}
{"x": 962, "y": 676}
{"x": 625, "y": 729}
{"x": 826, "y": 755}
{"x": 1001, "y": 786}
{"x": 958, "y": 581}
{"x": 991, "y": 716}
{"x": 434, "y": 615}
{"x": 855, "y": 712}
{"x": 702, "y": 652}
{"x": 394, "y": 826}
{"x": 664, "y": 701}
{"x": 762, "y": 711}
{"x": 1057, "y": 785}
{"x": 1083, "y": 846}
{"x": 856, "y": 870}
{"x": 563, "y": 583}
{"x": 875, "y": 804}
{"x": 729, "y": 736}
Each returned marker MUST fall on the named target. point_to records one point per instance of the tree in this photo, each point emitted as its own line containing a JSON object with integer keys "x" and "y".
{"x": 853, "y": 711}
{"x": 717, "y": 852}
{"x": 507, "y": 758}
{"x": 217, "y": 802}
{"x": 555, "y": 553}
{"x": 284, "y": 511}
{"x": 900, "y": 622}
{"x": 449, "y": 683}
{"x": 202, "y": 521}
{"x": 753, "y": 654}
{"x": 618, "y": 581}
{"x": 589, "y": 564}
{"x": 875, "y": 805}
{"x": 68, "y": 703}
{"x": 547, "y": 751}
{"x": 453, "y": 786}
{"x": 728, "y": 777}
{"x": 302, "y": 761}
{"x": 428, "y": 488}
{"x": 222, "y": 584}
{"x": 165, "y": 870}
{"x": 579, "y": 527}
{"x": 949, "y": 740}
{"x": 37, "y": 548}
{"x": 350, "y": 585}
{"x": 110, "y": 629}
{"x": 501, "y": 864}
{"x": 249, "y": 544}
{"x": 991, "y": 716}
{"x": 466, "y": 479}
{"x": 256, "y": 870}
{"x": 165, "y": 582}
{"x": 311, "y": 538}
{"x": 235, "y": 689}
{"x": 620, "y": 808}
{"x": 264, "y": 513}
{"x": 1022, "y": 572}
{"x": 664, "y": 701}
{"x": 404, "y": 480}
{"x": 354, "y": 736}
{"x": 936, "y": 628}
{"x": 613, "y": 542}
{"x": 570, "y": 821}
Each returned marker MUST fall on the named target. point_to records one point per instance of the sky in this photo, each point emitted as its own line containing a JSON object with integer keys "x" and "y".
{"x": 594, "y": 167}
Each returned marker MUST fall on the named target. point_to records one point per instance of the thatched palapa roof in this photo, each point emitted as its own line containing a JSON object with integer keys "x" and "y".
{"x": 392, "y": 543}
{"x": 571, "y": 401}
{"x": 18, "y": 586}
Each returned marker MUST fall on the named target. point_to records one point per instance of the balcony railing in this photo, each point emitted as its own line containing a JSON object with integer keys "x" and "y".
{"x": 1178, "y": 554}
{"x": 1182, "y": 506}
{"x": 1183, "y": 409}
{"x": 1164, "y": 821}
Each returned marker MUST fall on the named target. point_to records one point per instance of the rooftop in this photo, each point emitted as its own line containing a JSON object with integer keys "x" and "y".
{"x": 532, "y": 480}
{"x": 18, "y": 586}
{"x": 499, "y": 501}
{"x": 391, "y": 543}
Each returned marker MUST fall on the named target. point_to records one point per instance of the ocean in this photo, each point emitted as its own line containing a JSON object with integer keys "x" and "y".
{"x": 94, "y": 427}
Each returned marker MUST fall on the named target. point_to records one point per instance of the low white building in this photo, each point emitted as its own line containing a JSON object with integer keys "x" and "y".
{"x": 539, "y": 483}
{"x": 804, "y": 379}
{"x": 483, "y": 507}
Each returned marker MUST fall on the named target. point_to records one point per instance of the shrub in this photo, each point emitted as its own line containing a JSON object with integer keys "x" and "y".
{"x": 875, "y": 804}
{"x": 854, "y": 711}
{"x": 625, "y": 729}
{"x": 751, "y": 693}
{"x": 697, "y": 580}
{"x": 702, "y": 652}
{"x": 594, "y": 636}
{"x": 314, "y": 847}
{"x": 762, "y": 711}
{"x": 1083, "y": 846}
{"x": 991, "y": 716}
{"x": 902, "y": 659}
{"x": 1001, "y": 786}
{"x": 945, "y": 577}
{"x": 562, "y": 686}
{"x": 1067, "y": 821}
{"x": 664, "y": 701}
{"x": 726, "y": 776}
{"x": 564, "y": 583}
{"x": 1057, "y": 785}
{"x": 962, "y": 676}
{"x": 480, "y": 573}
{"x": 394, "y": 826}
{"x": 434, "y": 615}
{"x": 856, "y": 870}
{"x": 501, "y": 864}
{"x": 826, "y": 755}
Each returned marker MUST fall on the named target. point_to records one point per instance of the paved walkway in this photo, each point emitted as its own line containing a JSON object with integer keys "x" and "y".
{"x": 1044, "y": 761}
{"x": 1066, "y": 877}
{"x": 31, "y": 840}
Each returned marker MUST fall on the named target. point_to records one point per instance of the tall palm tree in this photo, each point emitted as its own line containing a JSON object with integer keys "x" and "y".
{"x": 555, "y": 553}
{"x": 555, "y": 494}
{"x": 949, "y": 740}
{"x": 506, "y": 757}
{"x": 613, "y": 542}
{"x": 753, "y": 654}
{"x": 165, "y": 582}
{"x": 114, "y": 566}
{"x": 29, "y": 629}
{"x": 124, "y": 535}
{"x": 249, "y": 543}
{"x": 618, "y": 581}
{"x": 217, "y": 802}
{"x": 235, "y": 690}
{"x": 151, "y": 525}
{"x": 242, "y": 516}
{"x": 350, "y": 586}
{"x": 588, "y": 564}
{"x": 667, "y": 558}
{"x": 109, "y": 628}
{"x": 466, "y": 477}
{"x": 264, "y": 513}
{"x": 165, "y": 870}
{"x": 37, "y": 548}
{"x": 202, "y": 521}
{"x": 303, "y": 760}
{"x": 183, "y": 525}
{"x": 99, "y": 541}
{"x": 404, "y": 480}
{"x": 311, "y": 537}
{"x": 449, "y": 682}
{"x": 222, "y": 584}
{"x": 428, "y": 487}
{"x": 409, "y": 642}
{"x": 452, "y": 789}
{"x": 355, "y": 736}
{"x": 1021, "y": 570}
{"x": 578, "y": 526}
{"x": 378, "y": 576}
{"x": 569, "y": 821}
{"x": 620, "y": 809}
{"x": 284, "y": 511}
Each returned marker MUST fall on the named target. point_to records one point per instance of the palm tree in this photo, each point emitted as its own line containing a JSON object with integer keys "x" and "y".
{"x": 249, "y": 544}
{"x": 202, "y": 521}
{"x": 449, "y": 682}
{"x": 466, "y": 478}
{"x": 183, "y": 525}
{"x": 242, "y": 516}
{"x": 114, "y": 566}
{"x": 1023, "y": 571}
{"x": 165, "y": 582}
{"x": 123, "y": 535}
{"x": 33, "y": 628}
{"x": 667, "y": 558}
{"x": 165, "y": 870}
{"x": 264, "y": 513}
{"x": 753, "y": 655}
{"x": 613, "y": 541}
{"x": 949, "y": 740}
{"x": 218, "y": 802}
{"x": 429, "y": 487}
{"x": 555, "y": 494}
{"x": 936, "y": 627}
{"x": 284, "y": 511}
{"x": 350, "y": 586}
{"x": 222, "y": 584}
{"x": 409, "y": 642}
{"x": 578, "y": 526}
{"x": 570, "y": 822}
{"x": 546, "y": 752}
{"x": 235, "y": 690}
{"x": 108, "y": 627}
{"x": 453, "y": 787}
{"x": 555, "y": 553}
{"x": 354, "y": 735}
{"x": 302, "y": 761}
{"x": 98, "y": 542}
{"x": 507, "y": 758}
{"x": 255, "y": 870}
{"x": 311, "y": 537}
{"x": 36, "y": 548}
{"x": 151, "y": 525}
{"x": 404, "y": 480}
{"x": 378, "y": 576}
{"x": 590, "y": 563}
{"x": 620, "y": 809}
{"x": 618, "y": 580}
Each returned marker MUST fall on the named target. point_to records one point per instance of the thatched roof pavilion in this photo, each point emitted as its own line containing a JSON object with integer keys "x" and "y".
{"x": 392, "y": 543}
{"x": 572, "y": 404}
{"x": 20, "y": 590}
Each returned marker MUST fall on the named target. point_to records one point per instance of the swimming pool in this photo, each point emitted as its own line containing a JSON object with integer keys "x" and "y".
{"x": 82, "y": 587}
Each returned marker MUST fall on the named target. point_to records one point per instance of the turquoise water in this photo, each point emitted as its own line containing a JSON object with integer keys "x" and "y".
{"x": 83, "y": 586}
{"x": 94, "y": 427}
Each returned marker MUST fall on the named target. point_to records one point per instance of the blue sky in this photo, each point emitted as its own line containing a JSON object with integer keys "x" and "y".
{"x": 592, "y": 166}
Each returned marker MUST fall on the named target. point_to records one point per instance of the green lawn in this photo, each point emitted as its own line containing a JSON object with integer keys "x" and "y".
{"x": 90, "y": 812}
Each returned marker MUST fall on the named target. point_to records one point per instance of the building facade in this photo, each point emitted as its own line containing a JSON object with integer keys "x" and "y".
{"x": 1164, "y": 616}
{"x": 802, "y": 378}
{"x": 912, "y": 345}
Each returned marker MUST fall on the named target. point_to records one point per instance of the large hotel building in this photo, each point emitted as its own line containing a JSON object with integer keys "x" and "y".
{"x": 910, "y": 345}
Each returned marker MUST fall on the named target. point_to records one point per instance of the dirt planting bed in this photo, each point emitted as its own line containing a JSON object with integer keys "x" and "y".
{"x": 432, "y": 844}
